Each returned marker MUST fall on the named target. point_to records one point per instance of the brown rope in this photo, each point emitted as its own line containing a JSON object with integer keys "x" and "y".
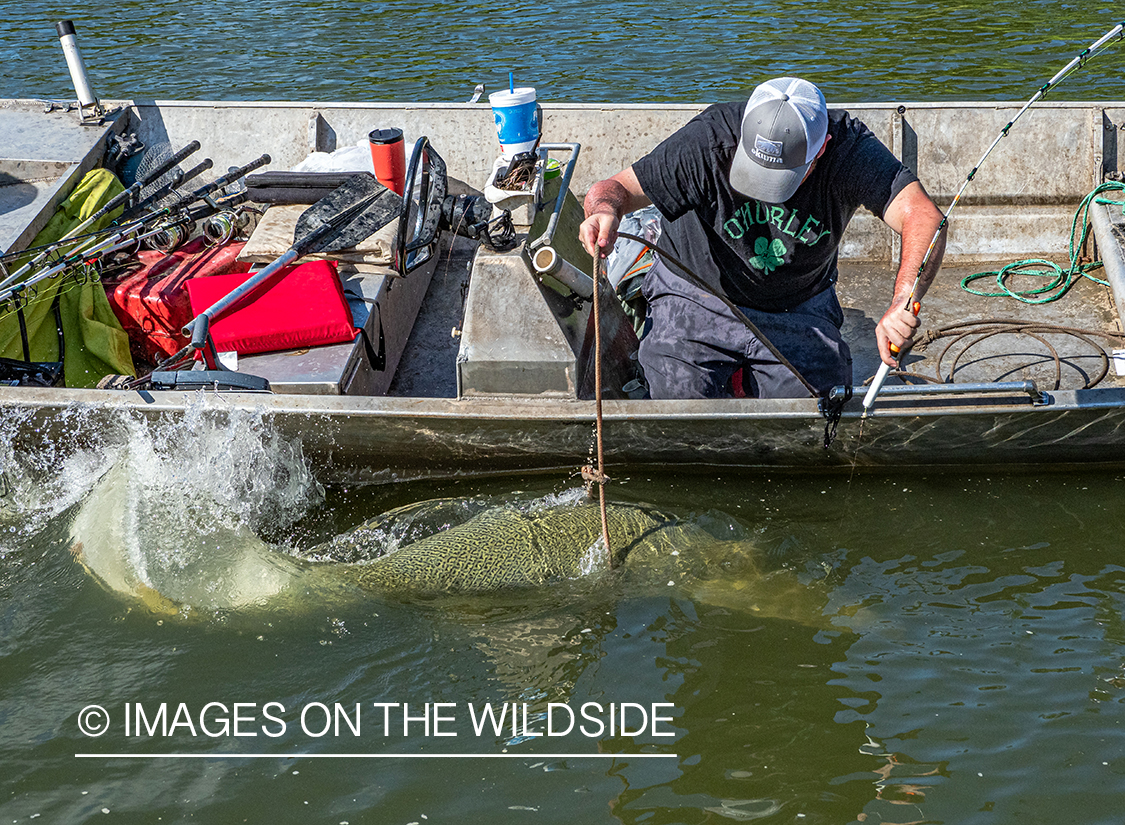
{"x": 598, "y": 475}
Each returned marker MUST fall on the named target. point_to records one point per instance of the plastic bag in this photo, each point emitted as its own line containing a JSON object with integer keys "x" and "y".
{"x": 630, "y": 260}
{"x": 346, "y": 159}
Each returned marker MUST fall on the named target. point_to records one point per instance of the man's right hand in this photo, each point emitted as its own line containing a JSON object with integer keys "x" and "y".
{"x": 606, "y": 203}
{"x": 599, "y": 231}
{"x": 896, "y": 327}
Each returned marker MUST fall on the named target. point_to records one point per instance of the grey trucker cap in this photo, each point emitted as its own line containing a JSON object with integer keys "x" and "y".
{"x": 783, "y": 127}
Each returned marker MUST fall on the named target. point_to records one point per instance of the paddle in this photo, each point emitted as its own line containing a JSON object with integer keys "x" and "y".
{"x": 349, "y": 214}
{"x": 339, "y": 220}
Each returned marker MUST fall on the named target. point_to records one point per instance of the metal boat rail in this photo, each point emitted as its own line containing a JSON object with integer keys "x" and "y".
{"x": 978, "y": 389}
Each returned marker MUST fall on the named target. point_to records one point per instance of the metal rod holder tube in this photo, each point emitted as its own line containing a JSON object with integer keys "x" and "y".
{"x": 546, "y": 261}
{"x": 999, "y": 388}
{"x": 65, "y": 29}
{"x": 564, "y": 187}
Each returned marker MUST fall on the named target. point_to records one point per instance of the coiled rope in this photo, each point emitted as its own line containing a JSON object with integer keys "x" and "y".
{"x": 1060, "y": 280}
{"x": 971, "y": 333}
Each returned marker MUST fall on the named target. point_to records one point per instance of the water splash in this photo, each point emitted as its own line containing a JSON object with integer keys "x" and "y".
{"x": 174, "y": 501}
{"x": 594, "y": 558}
{"x": 229, "y": 456}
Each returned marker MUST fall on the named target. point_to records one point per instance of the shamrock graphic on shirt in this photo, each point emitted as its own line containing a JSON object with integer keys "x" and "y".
{"x": 768, "y": 255}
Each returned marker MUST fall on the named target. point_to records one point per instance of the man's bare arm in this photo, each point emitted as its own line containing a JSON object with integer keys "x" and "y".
{"x": 914, "y": 217}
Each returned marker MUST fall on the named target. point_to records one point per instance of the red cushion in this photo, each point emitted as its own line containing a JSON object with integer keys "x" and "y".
{"x": 300, "y": 306}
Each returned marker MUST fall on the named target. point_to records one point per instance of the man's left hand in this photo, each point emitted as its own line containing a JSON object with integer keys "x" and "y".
{"x": 896, "y": 327}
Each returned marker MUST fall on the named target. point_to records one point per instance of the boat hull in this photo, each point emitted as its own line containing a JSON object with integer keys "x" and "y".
{"x": 384, "y": 440}
{"x": 540, "y": 420}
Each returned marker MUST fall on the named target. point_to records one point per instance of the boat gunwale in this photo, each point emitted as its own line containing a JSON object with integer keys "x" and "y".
{"x": 578, "y": 106}
{"x": 515, "y": 408}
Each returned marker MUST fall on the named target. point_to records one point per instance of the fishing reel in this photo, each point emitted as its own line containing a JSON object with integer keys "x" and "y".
{"x": 220, "y": 219}
{"x": 466, "y": 215}
{"x": 169, "y": 237}
{"x": 470, "y": 216}
{"x": 221, "y": 227}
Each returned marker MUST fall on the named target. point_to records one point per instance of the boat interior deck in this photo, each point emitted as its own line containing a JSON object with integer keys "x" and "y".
{"x": 428, "y": 368}
{"x": 962, "y": 349}
{"x": 429, "y": 363}
{"x": 1001, "y": 225}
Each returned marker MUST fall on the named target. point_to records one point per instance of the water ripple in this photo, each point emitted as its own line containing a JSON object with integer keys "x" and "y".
{"x": 619, "y": 52}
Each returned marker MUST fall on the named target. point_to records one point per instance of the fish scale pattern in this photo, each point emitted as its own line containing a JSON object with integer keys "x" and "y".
{"x": 504, "y": 547}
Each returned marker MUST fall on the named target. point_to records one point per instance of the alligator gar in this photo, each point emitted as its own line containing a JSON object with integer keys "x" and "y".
{"x": 123, "y": 540}
{"x": 507, "y": 547}
{"x": 124, "y": 545}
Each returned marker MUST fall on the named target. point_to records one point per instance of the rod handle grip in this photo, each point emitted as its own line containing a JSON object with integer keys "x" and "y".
{"x": 915, "y": 307}
{"x": 200, "y": 329}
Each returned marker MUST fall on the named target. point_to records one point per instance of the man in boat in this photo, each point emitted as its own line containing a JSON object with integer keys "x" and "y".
{"x": 755, "y": 197}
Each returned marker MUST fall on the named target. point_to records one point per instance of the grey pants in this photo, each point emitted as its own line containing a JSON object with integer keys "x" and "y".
{"x": 693, "y": 344}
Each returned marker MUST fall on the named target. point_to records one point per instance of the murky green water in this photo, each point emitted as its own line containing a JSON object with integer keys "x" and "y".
{"x": 957, "y": 650}
{"x": 943, "y": 648}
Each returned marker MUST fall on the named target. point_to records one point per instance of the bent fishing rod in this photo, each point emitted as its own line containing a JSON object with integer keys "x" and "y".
{"x": 912, "y": 303}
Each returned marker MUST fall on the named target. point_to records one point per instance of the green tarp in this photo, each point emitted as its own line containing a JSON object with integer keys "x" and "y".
{"x": 95, "y": 344}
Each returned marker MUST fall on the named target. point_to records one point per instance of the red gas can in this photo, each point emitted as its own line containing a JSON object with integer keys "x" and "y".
{"x": 152, "y": 302}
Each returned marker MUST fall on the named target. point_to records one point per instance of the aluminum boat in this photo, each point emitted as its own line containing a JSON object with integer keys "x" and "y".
{"x": 486, "y": 365}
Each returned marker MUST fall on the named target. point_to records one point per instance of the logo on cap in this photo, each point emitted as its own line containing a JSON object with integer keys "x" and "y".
{"x": 767, "y": 150}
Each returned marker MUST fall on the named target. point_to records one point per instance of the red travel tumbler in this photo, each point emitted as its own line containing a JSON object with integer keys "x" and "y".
{"x": 388, "y": 153}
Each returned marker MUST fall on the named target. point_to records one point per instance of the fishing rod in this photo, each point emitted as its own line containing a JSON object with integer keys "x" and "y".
{"x": 203, "y": 192}
{"x": 167, "y": 212}
{"x": 1078, "y": 61}
{"x": 116, "y": 201}
{"x": 174, "y": 227}
{"x": 113, "y": 233}
{"x": 167, "y": 188}
{"x": 9, "y": 288}
{"x": 16, "y": 291}
{"x": 135, "y": 190}
{"x": 116, "y": 239}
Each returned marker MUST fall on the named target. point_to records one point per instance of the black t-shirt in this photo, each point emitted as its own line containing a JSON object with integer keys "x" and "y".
{"x": 766, "y": 256}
